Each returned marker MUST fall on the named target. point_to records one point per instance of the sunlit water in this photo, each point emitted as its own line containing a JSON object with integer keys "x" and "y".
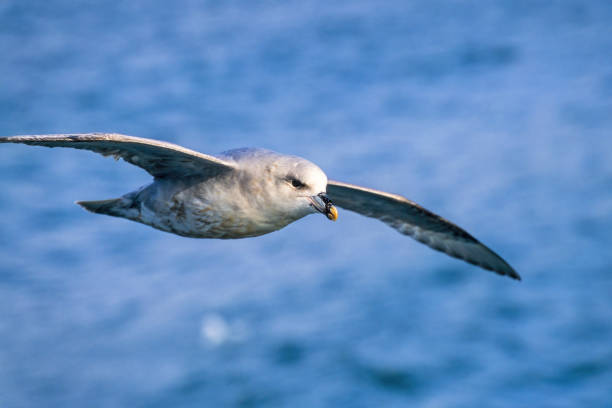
{"x": 496, "y": 115}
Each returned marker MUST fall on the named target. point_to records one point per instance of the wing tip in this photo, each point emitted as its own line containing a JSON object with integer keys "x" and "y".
{"x": 505, "y": 270}
{"x": 7, "y": 139}
{"x": 491, "y": 262}
{"x": 511, "y": 273}
{"x": 514, "y": 275}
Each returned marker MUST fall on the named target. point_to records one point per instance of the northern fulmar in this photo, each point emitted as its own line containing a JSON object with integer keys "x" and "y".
{"x": 249, "y": 192}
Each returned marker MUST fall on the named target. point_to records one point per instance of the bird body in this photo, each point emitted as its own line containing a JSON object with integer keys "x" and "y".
{"x": 249, "y": 192}
{"x": 253, "y": 199}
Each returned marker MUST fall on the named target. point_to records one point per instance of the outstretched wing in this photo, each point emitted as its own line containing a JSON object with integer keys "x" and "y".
{"x": 411, "y": 219}
{"x": 160, "y": 159}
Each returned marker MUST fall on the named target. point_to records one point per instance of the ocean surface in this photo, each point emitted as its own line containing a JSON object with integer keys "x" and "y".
{"x": 496, "y": 115}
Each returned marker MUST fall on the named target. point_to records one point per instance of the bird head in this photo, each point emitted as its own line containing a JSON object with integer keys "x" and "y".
{"x": 291, "y": 186}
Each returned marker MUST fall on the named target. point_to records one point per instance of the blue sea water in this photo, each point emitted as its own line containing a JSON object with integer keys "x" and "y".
{"x": 496, "y": 115}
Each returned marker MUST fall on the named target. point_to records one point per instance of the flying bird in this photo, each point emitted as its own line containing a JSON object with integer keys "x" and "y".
{"x": 250, "y": 191}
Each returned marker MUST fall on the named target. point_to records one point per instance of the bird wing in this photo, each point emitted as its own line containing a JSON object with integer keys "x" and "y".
{"x": 415, "y": 221}
{"x": 160, "y": 159}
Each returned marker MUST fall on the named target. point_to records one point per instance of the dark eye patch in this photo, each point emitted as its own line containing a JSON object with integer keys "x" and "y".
{"x": 295, "y": 182}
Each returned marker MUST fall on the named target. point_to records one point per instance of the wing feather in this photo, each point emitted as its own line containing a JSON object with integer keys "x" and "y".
{"x": 419, "y": 223}
{"x": 160, "y": 159}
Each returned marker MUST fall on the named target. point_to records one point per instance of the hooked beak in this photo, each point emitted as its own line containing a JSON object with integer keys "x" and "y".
{"x": 322, "y": 204}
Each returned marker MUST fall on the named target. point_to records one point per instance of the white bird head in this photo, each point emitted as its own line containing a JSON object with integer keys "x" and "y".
{"x": 289, "y": 185}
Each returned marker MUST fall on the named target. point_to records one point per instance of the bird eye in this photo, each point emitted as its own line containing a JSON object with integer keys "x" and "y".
{"x": 297, "y": 183}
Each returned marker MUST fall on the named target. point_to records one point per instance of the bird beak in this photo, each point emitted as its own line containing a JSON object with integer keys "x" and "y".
{"x": 322, "y": 204}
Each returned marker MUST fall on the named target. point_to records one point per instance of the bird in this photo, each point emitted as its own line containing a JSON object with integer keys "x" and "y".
{"x": 248, "y": 192}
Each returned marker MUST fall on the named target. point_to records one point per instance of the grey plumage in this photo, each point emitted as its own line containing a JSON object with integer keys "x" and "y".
{"x": 160, "y": 159}
{"x": 419, "y": 223}
{"x": 250, "y": 192}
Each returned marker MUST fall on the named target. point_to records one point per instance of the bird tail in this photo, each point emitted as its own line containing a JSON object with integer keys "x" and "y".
{"x": 117, "y": 207}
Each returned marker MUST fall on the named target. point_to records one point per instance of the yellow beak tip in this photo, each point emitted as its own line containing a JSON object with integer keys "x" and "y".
{"x": 332, "y": 214}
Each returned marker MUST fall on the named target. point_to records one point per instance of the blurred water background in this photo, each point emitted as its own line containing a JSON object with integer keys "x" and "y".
{"x": 496, "y": 115}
